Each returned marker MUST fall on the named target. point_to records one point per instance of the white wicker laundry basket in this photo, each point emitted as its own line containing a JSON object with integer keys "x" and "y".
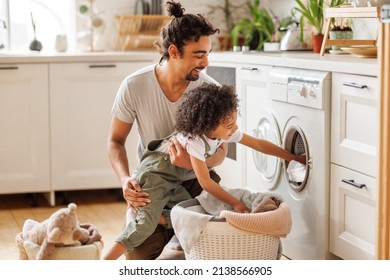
{"x": 222, "y": 241}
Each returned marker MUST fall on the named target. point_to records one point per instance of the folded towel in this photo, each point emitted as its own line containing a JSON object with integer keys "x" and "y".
{"x": 188, "y": 224}
{"x": 252, "y": 200}
{"x": 276, "y": 222}
{"x": 267, "y": 218}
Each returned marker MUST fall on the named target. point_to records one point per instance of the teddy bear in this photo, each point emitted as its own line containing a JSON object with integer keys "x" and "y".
{"x": 60, "y": 229}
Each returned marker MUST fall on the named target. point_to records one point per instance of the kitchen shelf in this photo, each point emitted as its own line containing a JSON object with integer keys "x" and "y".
{"x": 138, "y": 31}
{"x": 348, "y": 12}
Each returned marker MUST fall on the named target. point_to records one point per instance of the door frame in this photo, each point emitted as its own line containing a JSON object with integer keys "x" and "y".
{"x": 383, "y": 228}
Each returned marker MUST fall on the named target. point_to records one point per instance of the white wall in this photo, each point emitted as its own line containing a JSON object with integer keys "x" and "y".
{"x": 76, "y": 24}
{"x": 282, "y": 8}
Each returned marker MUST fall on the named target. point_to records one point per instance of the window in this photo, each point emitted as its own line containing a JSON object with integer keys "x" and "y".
{"x": 52, "y": 17}
{"x": 4, "y": 35}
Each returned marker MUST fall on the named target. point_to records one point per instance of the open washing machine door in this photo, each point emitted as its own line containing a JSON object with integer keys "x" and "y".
{"x": 268, "y": 166}
{"x": 294, "y": 141}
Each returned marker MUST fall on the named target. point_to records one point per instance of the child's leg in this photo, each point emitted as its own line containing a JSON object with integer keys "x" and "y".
{"x": 115, "y": 252}
{"x": 148, "y": 217}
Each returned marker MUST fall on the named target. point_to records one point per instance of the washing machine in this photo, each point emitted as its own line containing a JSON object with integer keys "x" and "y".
{"x": 295, "y": 114}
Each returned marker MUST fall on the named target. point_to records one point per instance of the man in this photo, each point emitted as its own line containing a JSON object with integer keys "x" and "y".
{"x": 150, "y": 97}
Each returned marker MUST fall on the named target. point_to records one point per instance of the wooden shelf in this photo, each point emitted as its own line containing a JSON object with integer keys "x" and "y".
{"x": 348, "y": 12}
{"x": 138, "y": 31}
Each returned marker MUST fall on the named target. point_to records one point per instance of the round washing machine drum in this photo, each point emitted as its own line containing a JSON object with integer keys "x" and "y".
{"x": 295, "y": 142}
{"x": 268, "y": 166}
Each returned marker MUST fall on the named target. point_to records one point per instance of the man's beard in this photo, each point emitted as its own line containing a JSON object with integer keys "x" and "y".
{"x": 191, "y": 78}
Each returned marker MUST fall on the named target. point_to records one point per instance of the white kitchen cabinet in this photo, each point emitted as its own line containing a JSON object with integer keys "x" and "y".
{"x": 24, "y": 125}
{"x": 355, "y": 122}
{"x": 253, "y": 85}
{"x": 82, "y": 95}
{"x": 354, "y": 143}
{"x": 231, "y": 170}
{"x": 353, "y": 214}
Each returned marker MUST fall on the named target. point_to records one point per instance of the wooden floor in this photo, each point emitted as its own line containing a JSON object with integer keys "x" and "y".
{"x": 102, "y": 208}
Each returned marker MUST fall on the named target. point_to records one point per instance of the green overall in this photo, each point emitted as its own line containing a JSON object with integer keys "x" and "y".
{"x": 162, "y": 180}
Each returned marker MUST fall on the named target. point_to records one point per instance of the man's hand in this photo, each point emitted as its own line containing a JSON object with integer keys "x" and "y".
{"x": 178, "y": 155}
{"x": 133, "y": 194}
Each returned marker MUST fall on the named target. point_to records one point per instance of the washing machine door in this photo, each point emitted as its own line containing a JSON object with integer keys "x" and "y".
{"x": 294, "y": 141}
{"x": 268, "y": 166}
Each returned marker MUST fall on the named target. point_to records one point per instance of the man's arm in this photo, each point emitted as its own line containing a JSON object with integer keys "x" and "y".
{"x": 116, "y": 150}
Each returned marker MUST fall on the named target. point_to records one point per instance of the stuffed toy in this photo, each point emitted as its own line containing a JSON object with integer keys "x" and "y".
{"x": 60, "y": 229}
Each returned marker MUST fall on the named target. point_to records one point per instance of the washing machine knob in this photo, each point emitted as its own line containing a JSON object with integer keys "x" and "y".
{"x": 303, "y": 91}
{"x": 312, "y": 92}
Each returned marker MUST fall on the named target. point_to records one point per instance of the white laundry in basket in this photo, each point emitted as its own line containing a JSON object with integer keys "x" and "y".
{"x": 188, "y": 225}
{"x": 205, "y": 239}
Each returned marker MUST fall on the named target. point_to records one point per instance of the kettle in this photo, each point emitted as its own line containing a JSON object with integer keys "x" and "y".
{"x": 291, "y": 40}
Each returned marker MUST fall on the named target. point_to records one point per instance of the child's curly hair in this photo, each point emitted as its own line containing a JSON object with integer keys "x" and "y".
{"x": 204, "y": 108}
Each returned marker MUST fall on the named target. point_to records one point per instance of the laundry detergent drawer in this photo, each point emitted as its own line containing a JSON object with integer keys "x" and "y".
{"x": 352, "y": 214}
{"x": 355, "y": 122}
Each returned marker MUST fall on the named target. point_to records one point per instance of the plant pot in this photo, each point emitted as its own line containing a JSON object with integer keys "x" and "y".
{"x": 36, "y": 45}
{"x": 271, "y": 46}
{"x": 340, "y": 35}
{"x": 317, "y": 42}
{"x": 226, "y": 43}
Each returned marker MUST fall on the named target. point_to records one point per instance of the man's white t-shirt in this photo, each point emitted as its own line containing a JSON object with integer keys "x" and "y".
{"x": 141, "y": 99}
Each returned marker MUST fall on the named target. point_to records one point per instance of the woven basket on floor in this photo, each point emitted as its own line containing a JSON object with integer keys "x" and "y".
{"x": 28, "y": 251}
{"x": 221, "y": 241}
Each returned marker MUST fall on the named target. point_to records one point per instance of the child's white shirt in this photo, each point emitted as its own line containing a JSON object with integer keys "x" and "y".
{"x": 196, "y": 146}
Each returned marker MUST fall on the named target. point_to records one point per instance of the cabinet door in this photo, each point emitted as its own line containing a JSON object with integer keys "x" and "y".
{"x": 355, "y": 122}
{"x": 24, "y": 126}
{"x": 231, "y": 169}
{"x": 252, "y": 83}
{"x": 82, "y": 95}
{"x": 352, "y": 214}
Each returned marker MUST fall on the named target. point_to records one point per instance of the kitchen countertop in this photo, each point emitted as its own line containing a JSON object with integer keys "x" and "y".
{"x": 298, "y": 59}
{"x": 53, "y": 57}
{"x": 303, "y": 59}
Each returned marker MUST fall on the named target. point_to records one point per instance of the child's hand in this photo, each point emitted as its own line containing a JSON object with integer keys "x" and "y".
{"x": 241, "y": 208}
{"x": 300, "y": 158}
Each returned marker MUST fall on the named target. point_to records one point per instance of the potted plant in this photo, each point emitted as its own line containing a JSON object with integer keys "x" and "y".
{"x": 35, "y": 44}
{"x": 313, "y": 13}
{"x": 280, "y": 26}
{"x": 229, "y": 12}
{"x": 257, "y": 29}
{"x": 341, "y": 30}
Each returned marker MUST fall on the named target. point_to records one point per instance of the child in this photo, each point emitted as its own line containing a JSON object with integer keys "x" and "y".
{"x": 206, "y": 118}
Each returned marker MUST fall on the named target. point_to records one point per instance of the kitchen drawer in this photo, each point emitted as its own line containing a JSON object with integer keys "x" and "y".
{"x": 355, "y": 122}
{"x": 352, "y": 214}
{"x": 253, "y": 72}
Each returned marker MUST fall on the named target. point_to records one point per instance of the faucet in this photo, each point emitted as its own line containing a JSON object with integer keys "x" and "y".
{"x": 4, "y": 26}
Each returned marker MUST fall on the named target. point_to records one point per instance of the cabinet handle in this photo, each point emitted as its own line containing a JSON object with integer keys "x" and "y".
{"x": 352, "y": 183}
{"x": 250, "y": 68}
{"x": 9, "y": 68}
{"x": 102, "y": 66}
{"x": 355, "y": 85}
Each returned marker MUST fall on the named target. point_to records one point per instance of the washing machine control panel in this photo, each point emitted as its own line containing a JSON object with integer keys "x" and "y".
{"x": 299, "y": 86}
